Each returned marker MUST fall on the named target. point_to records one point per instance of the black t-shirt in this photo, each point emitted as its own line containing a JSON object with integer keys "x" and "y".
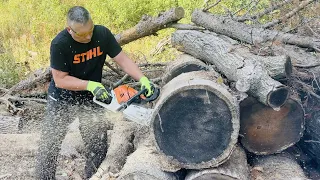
{"x": 82, "y": 60}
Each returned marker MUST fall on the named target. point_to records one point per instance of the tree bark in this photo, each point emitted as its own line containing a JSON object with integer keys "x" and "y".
{"x": 236, "y": 168}
{"x": 183, "y": 64}
{"x": 276, "y": 167}
{"x": 236, "y": 64}
{"x": 150, "y": 25}
{"x": 266, "y": 131}
{"x": 250, "y": 34}
{"x": 144, "y": 164}
{"x": 195, "y": 123}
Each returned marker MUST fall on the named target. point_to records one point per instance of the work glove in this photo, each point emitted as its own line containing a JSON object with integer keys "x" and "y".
{"x": 145, "y": 83}
{"x": 99, "y": 91}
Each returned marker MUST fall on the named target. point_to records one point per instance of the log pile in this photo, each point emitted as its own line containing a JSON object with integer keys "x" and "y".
{"x": 231, "y": 105}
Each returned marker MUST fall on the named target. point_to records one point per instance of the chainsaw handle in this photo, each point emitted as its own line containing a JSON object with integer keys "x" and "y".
{"x": 154, "y": 96}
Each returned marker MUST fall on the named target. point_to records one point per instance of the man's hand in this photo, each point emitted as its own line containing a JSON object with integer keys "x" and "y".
{"x": 145, "y": 83}
{"x": 99, "y": 91}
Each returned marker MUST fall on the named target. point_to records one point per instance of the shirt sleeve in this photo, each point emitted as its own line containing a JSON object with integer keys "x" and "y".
{"x": 113, "y": 46}
{"x": 58, "y": 59}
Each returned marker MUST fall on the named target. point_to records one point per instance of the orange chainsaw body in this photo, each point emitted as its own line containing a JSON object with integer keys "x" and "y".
{"x": 124, "y": 92}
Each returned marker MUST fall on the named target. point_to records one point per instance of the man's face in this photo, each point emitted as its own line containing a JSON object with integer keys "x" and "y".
{"x": 81, "y": 33}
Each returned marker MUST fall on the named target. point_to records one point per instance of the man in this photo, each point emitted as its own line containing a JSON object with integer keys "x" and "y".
{"x": 77, "y": 55}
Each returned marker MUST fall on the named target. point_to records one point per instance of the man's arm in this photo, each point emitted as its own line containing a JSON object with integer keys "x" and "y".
{"x": 128, "y": 66}
{"x": 65, "y": 81}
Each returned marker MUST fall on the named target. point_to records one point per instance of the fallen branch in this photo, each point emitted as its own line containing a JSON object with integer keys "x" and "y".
{"x": 250, "y": 34}
{"x": 150, "y": 25}
{"x": 266, "y": 11}
{"x": 207, "y": 6}
{"x": 288, "y": 15}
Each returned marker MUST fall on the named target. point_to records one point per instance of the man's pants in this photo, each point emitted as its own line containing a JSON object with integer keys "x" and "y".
{"x": 93, "y": 130}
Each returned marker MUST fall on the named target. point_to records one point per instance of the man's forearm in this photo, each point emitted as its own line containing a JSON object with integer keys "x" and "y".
{"x": 128, "y": 66}
{"x": 72, "y": 83}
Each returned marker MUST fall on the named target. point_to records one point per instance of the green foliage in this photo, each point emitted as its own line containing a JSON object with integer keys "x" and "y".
{"x": 10, "y": 70}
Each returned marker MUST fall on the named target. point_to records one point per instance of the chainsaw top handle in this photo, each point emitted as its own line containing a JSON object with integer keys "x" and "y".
{"x": 154, "y": 96}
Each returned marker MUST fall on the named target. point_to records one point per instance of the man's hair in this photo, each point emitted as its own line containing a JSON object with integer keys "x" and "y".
{"x": 78, "y": 14}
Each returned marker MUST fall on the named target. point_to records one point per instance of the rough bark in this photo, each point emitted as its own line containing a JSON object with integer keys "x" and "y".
{"x": 250, "y": 34}
{"x": 183, "y": 64}
{"x": 236, "y": 168}
{"x": 236, "y": 64}
{"x": 195, "y": 123}
{"x": 144, "y": 164}
{"x": 276, "y": 167}
{"x": 120, "y": 147}
{"x": 150, "y": 25}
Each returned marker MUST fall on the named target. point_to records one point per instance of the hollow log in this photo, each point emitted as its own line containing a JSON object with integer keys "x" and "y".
{"x": 264, "y": 130}
{"x": 150, "y": 25}
{"x": 249, "y": 74}
{"x": 236, "y": 168}
{"x": 144, "y": 164}
{"x": 195, "y": 123}
{"x": 182, "y": 64}
{"x": 276, "y": 167}
{"x": 250, "y": 34}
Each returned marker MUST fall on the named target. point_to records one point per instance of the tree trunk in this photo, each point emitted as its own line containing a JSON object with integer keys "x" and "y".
{"x": 276, "y": 167}
{"x": 250, "y": 34}
{"x": 150, "y": 25}
{"x": 183, "y": 64}
{"x": 195, "y": 123}
{"x": 236, "y": 168}
{"x": 144, "y": 164}
{"x": 236, "y": 64}
{"x": 264, "y": 130}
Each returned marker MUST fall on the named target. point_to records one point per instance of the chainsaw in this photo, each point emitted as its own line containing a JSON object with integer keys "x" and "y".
{"x": 129, "y": 101}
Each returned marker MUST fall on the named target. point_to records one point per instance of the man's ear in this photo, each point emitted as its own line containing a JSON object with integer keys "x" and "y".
{"x": 69, "y": 30}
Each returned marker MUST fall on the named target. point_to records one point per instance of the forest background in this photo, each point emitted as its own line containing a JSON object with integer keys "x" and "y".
{"x": 27, "y": 27}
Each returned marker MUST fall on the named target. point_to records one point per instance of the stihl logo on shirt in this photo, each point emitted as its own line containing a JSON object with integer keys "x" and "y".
{"x": 92, "y": 53}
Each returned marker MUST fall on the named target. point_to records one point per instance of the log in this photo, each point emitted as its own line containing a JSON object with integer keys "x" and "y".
{"x": 276, "y": 167}
{"x": 20, "y": 145}
{"x": 264, "y": 130}
{"x": 250, "y": 34}
{"x": 150, "y": 25}
{"x": 120, "y": 147}
{"x": 144, "y": 164}
{"x": 9, "y": 124}
{"x": 182, "y": 64}
{"x": 235, "y": 168}
{"x": 310, "y": 143}
{"x": 195, "y": 123}
{"x": 249, "y": 74}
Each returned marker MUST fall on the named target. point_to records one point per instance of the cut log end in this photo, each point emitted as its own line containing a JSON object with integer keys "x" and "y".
{"x": 266, "y": 131}
{"x": 196, "y": 121}
{"x": 175, "y": 125}
{"x": 278, "y": 97}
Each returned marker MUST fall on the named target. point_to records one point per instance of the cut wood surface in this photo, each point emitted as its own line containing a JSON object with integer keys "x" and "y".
{"x": 250, "y": 34}
{"x": 264, "y": 130}
{"x": 144, "y": 164}
{"x": 150, "y": 25}
{"x": 276, "y": 167}
{"x": 249, "y": 74}
{"x": 195, "y": 123}
{"x": 236, "y": 168}
{"x": 182, "y": 64}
